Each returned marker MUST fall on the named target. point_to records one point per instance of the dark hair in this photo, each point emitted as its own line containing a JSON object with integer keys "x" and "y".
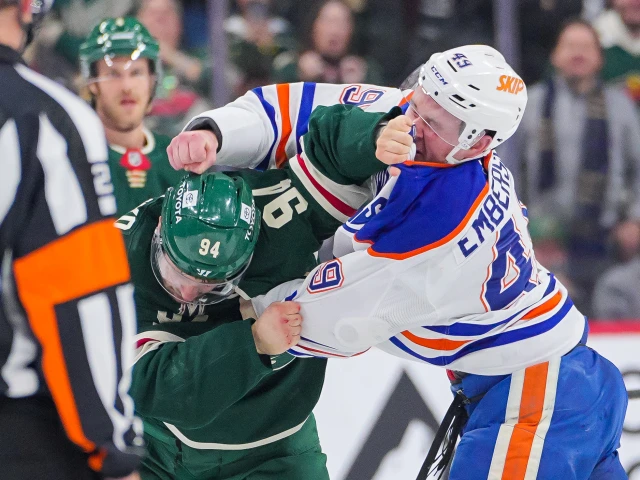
{"x": 8, "y": 3}
{"x": 570, "y": 22}
{"x": 311, "y": 17}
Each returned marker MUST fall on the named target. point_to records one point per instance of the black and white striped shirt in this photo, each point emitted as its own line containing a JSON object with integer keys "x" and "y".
{"x": 67, "y": 318}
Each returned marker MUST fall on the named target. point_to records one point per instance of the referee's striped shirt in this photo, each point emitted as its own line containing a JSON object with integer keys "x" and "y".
{"x": 67, "y": 318}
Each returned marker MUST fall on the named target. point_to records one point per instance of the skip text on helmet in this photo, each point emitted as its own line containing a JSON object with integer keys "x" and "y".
{"x": 510, "y": 84}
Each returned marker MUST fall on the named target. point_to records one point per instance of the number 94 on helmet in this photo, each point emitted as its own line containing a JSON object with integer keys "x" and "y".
{"x": 205, "y": 239}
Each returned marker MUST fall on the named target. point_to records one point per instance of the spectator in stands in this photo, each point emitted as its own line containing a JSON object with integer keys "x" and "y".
{"x": 326, "y": 56}
{"x": 184, "y": 87}
{"x": 120, "y": 62}
{"x": 619, "y": 30}
{"x": 581, "y": 140}
{"x": 539, "y": 22}
{"x": 58, "y": 41}
{"x": 617, "y": 293}
{"x": 256, "y": 37}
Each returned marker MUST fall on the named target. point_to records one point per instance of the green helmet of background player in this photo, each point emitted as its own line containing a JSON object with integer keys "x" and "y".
{"x": 206, "y": 237}
{"x": 119, "y": 37}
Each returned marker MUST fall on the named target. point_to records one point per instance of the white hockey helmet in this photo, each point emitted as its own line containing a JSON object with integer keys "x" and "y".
{"x": 475, "y": 84}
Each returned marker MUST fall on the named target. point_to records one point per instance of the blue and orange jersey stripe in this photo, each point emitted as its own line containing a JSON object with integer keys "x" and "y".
{"x": 283, "y": 104}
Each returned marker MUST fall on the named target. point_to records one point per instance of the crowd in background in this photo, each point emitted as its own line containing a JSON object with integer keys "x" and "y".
{"x": 577, "y": 159}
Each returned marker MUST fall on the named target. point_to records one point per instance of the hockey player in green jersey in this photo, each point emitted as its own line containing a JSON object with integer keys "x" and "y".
{"x": 214, "y": 408}
{"x": 120, "y": 63}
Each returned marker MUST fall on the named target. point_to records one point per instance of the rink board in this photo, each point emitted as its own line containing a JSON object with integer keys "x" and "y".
{"x": 378, "y": 413}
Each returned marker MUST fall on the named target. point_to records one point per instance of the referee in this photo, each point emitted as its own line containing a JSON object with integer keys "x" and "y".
{"x": 67, "y": 318}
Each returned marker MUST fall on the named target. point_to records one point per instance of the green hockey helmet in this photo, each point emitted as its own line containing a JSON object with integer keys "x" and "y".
{"x": 205, "y": 241}
{"x": 118, "y": 37}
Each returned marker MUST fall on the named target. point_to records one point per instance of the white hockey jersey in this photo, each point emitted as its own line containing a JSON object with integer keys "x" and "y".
{"x": 438, "y": 268}
{"x": 262, "y": 129}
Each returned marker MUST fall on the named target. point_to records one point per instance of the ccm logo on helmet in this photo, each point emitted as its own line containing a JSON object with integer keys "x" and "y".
{"x": 438, "y": 75}
{"x": 510, "y": 84}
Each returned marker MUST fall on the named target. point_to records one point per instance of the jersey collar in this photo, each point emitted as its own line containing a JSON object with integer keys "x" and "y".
{"x": 150, "y": 143}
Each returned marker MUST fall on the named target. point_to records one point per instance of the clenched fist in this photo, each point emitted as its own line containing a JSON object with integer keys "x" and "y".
{"x": 394, "y": 142}
{"x": 193, "y": 151}
{"x": 278, "y": 328}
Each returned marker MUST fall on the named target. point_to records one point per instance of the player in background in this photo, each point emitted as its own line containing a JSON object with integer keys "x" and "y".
{"x": 67, "y": 317}
{"x": 439, "y": 268}
{"x": 120, "y": 62}
{"x": 214, "y": 405}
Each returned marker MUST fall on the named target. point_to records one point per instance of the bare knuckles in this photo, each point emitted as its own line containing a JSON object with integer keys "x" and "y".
{"x": 278, "y": 328}
{"x": 394, "y": 142}
{"x": 194, "y": 151}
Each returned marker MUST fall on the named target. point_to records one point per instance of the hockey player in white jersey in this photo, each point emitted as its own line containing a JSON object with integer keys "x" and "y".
{"x": 263, "y": 128}
{"x": 439, "y": 268}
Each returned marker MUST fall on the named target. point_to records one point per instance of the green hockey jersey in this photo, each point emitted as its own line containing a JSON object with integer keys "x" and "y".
{"x": 140, "y": 174}
{"x": 198, "y": 377}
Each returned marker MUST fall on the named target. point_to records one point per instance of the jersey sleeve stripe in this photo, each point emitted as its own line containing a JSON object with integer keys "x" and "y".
{"x": 442, "y": 344}
{"x": 283, "y": 103}
{"x": 322, "y": 188}
{"x": 544, "y": 308}
{"x": 271, "y": 113}
{"x": 59, "y": 272}
{"x": 442, "y": 241}
{"x": 152, "y": 340}
{"x": 470, "y": 329}
{"x": 499, "y": 339}
{"x": 303, "y": 351}
{"x": 306, "y": 106}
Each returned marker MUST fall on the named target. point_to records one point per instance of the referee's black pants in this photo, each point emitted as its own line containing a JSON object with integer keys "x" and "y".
{"x": 34, "y": 446}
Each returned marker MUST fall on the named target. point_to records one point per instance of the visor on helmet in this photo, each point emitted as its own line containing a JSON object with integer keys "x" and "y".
{"x": 113, "y": 72}
{"x": 423, "y": 104}
{"x": 187, "y": 289}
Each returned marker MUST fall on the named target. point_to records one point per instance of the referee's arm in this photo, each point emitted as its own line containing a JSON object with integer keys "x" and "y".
{"x": 70, "y": 268}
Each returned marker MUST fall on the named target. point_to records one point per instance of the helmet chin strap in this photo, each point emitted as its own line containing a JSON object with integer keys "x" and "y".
{"x": 470, "y": 136}
{"x": 454, "y": 161}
